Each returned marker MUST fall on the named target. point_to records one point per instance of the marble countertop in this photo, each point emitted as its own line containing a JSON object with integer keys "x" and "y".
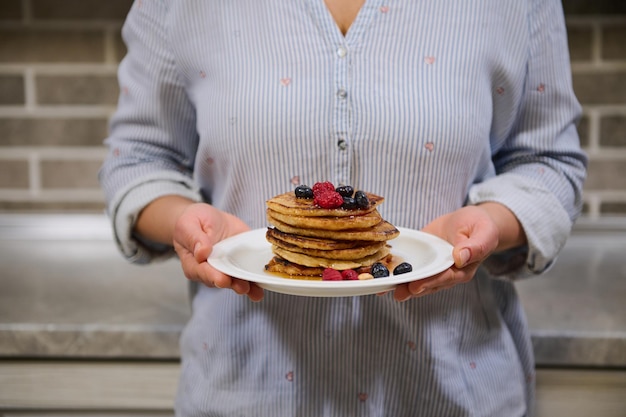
{"x": 65, "y": 292}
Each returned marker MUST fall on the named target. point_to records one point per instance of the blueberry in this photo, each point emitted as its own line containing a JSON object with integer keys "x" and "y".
{"x": 379, "y": 270}
{"x": 361, "y": 199}
{"x": 402, "y": 268}
{"x": 345, "y": 190}
{"x": 349, "y": 203}
{"x": 304, "y": 191}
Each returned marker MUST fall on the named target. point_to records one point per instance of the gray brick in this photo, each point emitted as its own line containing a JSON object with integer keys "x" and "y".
{"x": 579, "y": 40}
{"x": 614, "y": 42}
{"x": 11, "y": 89}
{"x": 39, "y": 46}
{"x": 606, "y": 87}
{"x": 57, "y": 174}
{"x": 77, "y": 89}
{"x": 606, "y": 175}
{"x": 13, "y": 174}
{"x": 613, "y": 131}
{"x": 80, "y": 9}
{"x": 52, "y": 132}
{"x": 583, "y": 131}
{"x": 613, "y": 208}
{"x": 584, "y": 7}
{"x": 10, "y": 10}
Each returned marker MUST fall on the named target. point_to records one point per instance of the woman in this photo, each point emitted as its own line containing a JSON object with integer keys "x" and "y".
{"x": 459, "y": 113}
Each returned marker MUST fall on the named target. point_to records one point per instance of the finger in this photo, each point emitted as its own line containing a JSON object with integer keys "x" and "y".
{"x": 256, "y": 293}
{"x": 219, "y": 279}
{"x": 187, "y": 262}
{"x": 446, "y": 279}
{"x": 401, "y": 292}
{"x": 240, "y": 286}
{"x": 209, "y": 276}
{"x": 213, "y": 278}
{"x": 419, "y": 287}
{"x": 449, "y": 278}
{"x": 412, "y": 289}
{"x": 203, "y": 271}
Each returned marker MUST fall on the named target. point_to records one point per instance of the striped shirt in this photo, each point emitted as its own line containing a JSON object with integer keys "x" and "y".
{"x": 432, "y": 104}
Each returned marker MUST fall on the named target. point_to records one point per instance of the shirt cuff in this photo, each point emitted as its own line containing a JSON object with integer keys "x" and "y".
{"x": 125, "y": 208}
{"x": 546, "y": 223}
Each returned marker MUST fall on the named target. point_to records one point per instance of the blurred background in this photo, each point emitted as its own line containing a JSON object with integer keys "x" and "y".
{"x": 83, "y": 333}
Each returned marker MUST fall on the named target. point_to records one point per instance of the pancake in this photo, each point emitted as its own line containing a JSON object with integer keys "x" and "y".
{"x": 288, "y": 204}
{"x": 278, "y": 265}
{"x": 382, "y": 231}
{"x": 311, "y": 242}
{"x": 327, "y": 222}
{"x": 338, "y": 264}
{"x": 357, "y": 252}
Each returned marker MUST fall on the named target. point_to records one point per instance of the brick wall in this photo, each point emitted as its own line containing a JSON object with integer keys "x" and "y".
{"x": 58, "y": 60}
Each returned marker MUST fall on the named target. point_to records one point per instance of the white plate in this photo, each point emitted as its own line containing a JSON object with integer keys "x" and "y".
{"x": 245, "y": 256}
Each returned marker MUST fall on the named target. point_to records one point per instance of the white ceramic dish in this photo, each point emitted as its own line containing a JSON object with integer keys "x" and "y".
{"x": 245, "y": 256}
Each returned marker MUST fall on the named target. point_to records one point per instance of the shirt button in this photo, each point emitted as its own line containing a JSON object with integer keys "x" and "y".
{"x": 341, "y": 93}
{"x": 342, "y": 145}
{"x": 341, "y": 52}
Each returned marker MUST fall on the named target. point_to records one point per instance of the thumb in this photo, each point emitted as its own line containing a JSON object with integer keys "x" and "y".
{"x": 202, "y": 248}
{"x": 190, "y": 235}
{"x": 461, "y": 256}
{"x": 475, "y": 248}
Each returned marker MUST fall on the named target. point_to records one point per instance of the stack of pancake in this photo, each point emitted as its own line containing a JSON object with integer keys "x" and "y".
{"x": 306, "y": 238}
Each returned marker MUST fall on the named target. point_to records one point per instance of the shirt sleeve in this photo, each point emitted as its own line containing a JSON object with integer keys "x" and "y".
{"x": 152, "y": 140}
{"x": 540, "y": 167}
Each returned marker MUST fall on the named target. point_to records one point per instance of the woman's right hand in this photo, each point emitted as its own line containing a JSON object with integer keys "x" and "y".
{"x": 193, "y": 228}
{"x": 198, "y": 228}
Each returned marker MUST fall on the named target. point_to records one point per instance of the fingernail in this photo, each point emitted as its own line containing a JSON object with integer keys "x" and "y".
{"x": 464, "y": 254}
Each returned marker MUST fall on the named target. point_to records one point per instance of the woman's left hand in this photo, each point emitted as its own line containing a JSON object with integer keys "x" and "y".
{"x": 475, "y": 232}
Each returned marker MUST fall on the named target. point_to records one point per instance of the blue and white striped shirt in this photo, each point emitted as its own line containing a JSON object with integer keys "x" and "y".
{"x": 433, "y": 104}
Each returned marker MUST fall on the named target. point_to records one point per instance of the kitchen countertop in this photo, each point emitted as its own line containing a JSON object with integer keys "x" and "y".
{"x": 65, "y": 292}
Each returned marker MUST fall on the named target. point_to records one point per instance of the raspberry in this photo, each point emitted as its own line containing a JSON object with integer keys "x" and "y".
{"x": 320, "y": 187}
{"x": 328, "y": 200}
{"x": 349, "y": 275}
{"x": 330, "y": 274}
